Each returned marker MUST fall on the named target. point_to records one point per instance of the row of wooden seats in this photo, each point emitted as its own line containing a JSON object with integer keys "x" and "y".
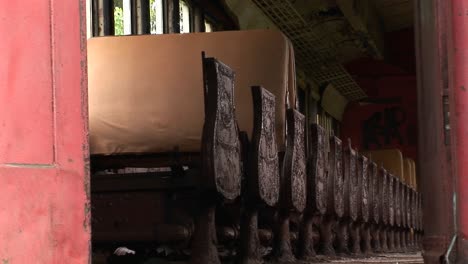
{"x": 395, "y": 163}
{"x": 335, "y": 189}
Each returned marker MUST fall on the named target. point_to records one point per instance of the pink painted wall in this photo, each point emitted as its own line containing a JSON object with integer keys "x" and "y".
{"x": 44, "y": 164}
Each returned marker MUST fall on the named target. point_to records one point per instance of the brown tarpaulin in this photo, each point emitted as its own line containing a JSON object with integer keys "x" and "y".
{"x": 146, "y": 92}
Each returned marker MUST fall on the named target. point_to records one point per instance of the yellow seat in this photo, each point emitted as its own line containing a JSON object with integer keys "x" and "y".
{"x": 408, "y": 172}
{"x": 414, "y": 183}
{"x": 390, "y": 159}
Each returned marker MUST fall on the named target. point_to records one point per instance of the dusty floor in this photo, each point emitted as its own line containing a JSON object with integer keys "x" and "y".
{"x": 414, "y": 258}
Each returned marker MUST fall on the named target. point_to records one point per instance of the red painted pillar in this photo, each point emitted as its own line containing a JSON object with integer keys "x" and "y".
{"x": 460, "y": 95}
{"x": 434, "y": 148}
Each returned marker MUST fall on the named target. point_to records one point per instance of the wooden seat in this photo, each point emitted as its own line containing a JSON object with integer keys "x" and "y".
{"x": 146, "y": 92}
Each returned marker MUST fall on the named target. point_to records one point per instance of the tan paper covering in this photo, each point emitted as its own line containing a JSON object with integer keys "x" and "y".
{"x": 414, "y": 178}
{"x": 391, "y": 159}
{"x": 146, "y": 92}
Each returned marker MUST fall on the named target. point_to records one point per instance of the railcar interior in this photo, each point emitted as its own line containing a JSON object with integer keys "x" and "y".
{"x": 254, "y": 131}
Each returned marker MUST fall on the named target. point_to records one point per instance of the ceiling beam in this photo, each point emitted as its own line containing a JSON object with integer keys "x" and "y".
{"x": 363, "y": 17}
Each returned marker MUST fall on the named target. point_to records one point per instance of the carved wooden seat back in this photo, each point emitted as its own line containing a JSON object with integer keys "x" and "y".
{"x": 294, "y": 163}
{"x": 221, "y": 149}
{"x": 397, "y": 201}
{"x": 335, "y": 178}
{"x": 419, "y": 213}
{"x": 384, "y": 196}
{"x": 221, "y": 152}
{"x": 317, "y": 169}
{"x": 374, "y": 193}
{"x": 391, "y": 199}
{"x": 350, "y": 182}
{"x": 264, "y": 179}
{"x": 404, "y": 205}
{"x": 363, "y": 201}
{"x": 413, "y": 208}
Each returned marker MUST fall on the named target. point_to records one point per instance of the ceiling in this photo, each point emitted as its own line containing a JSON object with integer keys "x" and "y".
{"x": 396, "y": 14}
{"x": 329, "y": 33}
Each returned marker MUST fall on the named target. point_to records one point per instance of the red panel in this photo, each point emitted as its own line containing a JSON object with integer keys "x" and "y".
{"x": 460, "y": 94}
{"x": 44, "y": 176}
{"x": 26, "y": 78}
{"x": 367, "y": 124}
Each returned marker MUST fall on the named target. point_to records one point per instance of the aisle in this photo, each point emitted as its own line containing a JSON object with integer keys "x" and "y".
{"x": 381, "y": 259}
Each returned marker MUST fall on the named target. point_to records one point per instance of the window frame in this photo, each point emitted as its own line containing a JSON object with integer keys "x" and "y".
{"x": 102, "y": 17}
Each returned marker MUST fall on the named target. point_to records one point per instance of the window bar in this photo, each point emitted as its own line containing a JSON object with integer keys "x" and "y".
{"x": 141, "y": 17}
{"x": 104, "y": 18}
{"x": 198, "y": 20}
{"x": 173, "y": 18}
{"x": 95, "y": 18}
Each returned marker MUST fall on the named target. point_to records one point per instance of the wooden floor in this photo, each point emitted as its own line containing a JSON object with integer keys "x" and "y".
{"x": 415, "y": 258}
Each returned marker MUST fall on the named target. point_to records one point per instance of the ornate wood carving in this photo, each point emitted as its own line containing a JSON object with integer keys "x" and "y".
{"x": 221, "y": 158}
{"x": 404, "y": 222}
{"x": 384, "y": 208}
{"x": 265, "y": 165}
{"x": 263, "y": 179}
{"x": 349, "y": 198}
{"x": 420, "y": 213}
{"x": 364, "y": 189}
{"x": 334, "y": 193}
{"x": 364, "y": 200}
{"x": 391, "y": 200}
{"x": 293, "y": 184}
{"x": 294, "y": 168}
{"x": 391, "y": 212}
{"x": 397, "y": 201}
{"x": 385, "y": 199}
{"x": 221, "y": 149}
{"x": 374, "y": 206}
{"x": 317, "y": 185}
{"x": 335, "y": 178}
{"x": 407, "y": 206}
{"x": 350, "y": 182}
{"x": 375, "y": 190}
{"x": 397, "y": 208}
{"x": 420, "y": 221}
{"x": 414, "y": 211}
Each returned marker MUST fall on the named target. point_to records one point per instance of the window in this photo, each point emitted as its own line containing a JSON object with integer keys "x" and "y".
{"x": 156, "y": 17}
{"x": 128, "y": 17}
{"x": 208, "y": 26}
{"x": 122, "y": 17}
{"x": 184, "y": 12}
